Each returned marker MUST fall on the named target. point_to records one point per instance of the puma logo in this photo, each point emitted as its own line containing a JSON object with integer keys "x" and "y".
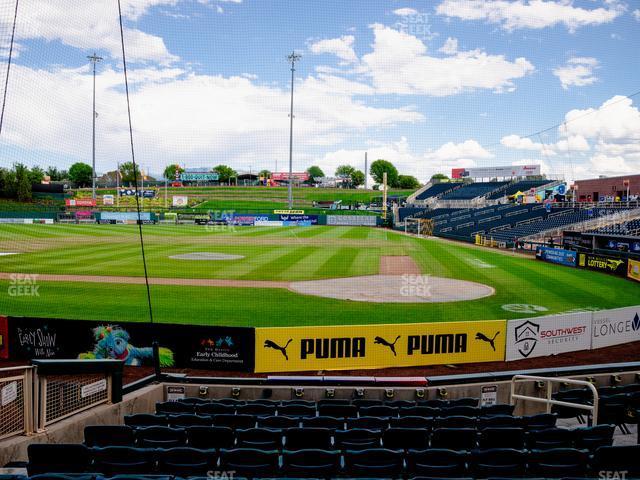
{"x": 490, "y": 341}
{"x": 275, "y": 346}
{"x": 382, "y": 341}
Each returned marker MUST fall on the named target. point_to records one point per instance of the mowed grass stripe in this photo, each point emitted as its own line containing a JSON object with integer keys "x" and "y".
{"x": 272, "y": 270}
{"x": 310, "y": 266}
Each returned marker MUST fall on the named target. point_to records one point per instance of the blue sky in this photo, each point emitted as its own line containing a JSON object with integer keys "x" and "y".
{"x": 427, "y": 85}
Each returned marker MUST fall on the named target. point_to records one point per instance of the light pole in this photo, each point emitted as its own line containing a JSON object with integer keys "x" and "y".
{"x": 293, "y": 58}
{"x": 94, "y": 59}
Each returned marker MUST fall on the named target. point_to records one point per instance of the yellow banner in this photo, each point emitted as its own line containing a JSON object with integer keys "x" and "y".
{"x": 288, "y": 212}
{"x": 633, "y": 270}
{"x": 299, "y": 349}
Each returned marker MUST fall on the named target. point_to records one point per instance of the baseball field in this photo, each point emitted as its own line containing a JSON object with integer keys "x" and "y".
{"x": 279, "y": 276}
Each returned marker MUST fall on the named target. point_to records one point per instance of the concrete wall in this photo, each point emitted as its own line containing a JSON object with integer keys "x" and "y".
{"x": 71, "y": 430}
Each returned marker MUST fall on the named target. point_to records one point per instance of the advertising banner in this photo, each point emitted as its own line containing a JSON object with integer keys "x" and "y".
{"x": 633, "y": 270}
{"x": 199, "y": 177}
{"x": 551, "y": 335}
{"x": 268, "y": 223}
{"x": 302, "y": 220}
{"x": 296, "y": 176}
{"x": 289, "y": 212}
{"x": 614, "y": 327}
{"x": 296, "y": 349}
{"x": 603, "y": 263}
{"x": 498, "y": 172}
{"x": 107, "y": 199}
{"x": 125, "y": 216}
{"x": 80, "y": 202}
{"x": 352, "y": 220}
{"x": 182, "y": 346}
{"x": 131, "y": 192}
{"x": 556, "y": 255}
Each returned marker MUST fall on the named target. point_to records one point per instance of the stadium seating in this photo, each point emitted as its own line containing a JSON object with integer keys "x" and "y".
{"x": 437, "y": 190}
{"x": 371, "y": 439}
{"x": 521, "y": 186}
{"x": 631, "y": 228}
{"x": 473, "y": 190}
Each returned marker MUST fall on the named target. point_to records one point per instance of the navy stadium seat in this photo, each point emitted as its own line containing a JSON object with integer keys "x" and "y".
{"x": 189, "y": 420}
{"x": 234, "y": 421}
{"x": 357, "y": 439}
{"x": 513, "y": 438}
{"x": 146, "y": 420}
{"x": 308, "y": 438}
{"x": 118, "y": 460}
{"x": 311, "y": 463}
{"x": 215, "y": 408}
{"x": 161, "y": 437}
{"x": 498, "y": 462}
{"x": 323, "y": 422}
{"x": 185, "y": 462}
{"x": 206, "y": 438}
{"x": 374, "y": 463}
{"x": 57, "y": 458}
{"x": 454, "y": 438}
{"x": 618, "y": 459}
{"x": 278, "y": 422}
{"x": 259, "y": 438}
{"x": 175, "y": 407}
{"x": 559, "y": 462}
{"x": 437, "y": 463}
{"x": 107, "y": 435}
{"x": 405, "y": 439}
{"x": 250, "y": 462}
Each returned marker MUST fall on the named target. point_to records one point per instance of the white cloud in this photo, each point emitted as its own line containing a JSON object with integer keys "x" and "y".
{"x": 533, "y": 14}
{"x": 636, "y": 14}
{"x": 399, "y": 64}
{"x": 340, "y": 47}
{"x": 450, "y": 47}
{"x": 183, "y": 117}
{"x": 405, "y": 12}
{"x": 469, "y": 149}
{"x": 577, "y": 72}
{"x": 524, "y": 143}
{"x": 94, "y": 26}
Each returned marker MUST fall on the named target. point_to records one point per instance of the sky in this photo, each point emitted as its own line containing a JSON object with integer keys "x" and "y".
{"x": 429, "y": 85}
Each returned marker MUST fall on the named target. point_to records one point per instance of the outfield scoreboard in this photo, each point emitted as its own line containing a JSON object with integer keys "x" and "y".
{"x": 497, "y": 172}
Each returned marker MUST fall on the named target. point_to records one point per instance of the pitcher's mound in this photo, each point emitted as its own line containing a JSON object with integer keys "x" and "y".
{"x": 206, "y": 256}
{"x": 394, "y": 289}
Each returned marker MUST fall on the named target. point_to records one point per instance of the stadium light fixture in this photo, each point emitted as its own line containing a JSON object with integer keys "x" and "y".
{"x": 94, "y": 59}
{"x": 292, "y": 59}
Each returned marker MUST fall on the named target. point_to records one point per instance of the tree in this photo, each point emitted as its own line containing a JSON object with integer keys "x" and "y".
{"x": 170, "y": 172}
{"x": 344, "y": 171}
{"x": 439, "y": 177}
{"x": 264, "y": 173}
{"x": 357, "y": 178}
{"x": 10, "y": 187}
{"x": 80, "y": 174}
{"x": 226, "y": 173}
{"x": 408, "y": 182}
{"x": 56, "y": 175}
{"x": 23, "y": 183}
{"x": 377, "y": 171}
{"x": 36, "y": 175}
{"x": 315, "y": 172}
{"x": 129, "y": 174}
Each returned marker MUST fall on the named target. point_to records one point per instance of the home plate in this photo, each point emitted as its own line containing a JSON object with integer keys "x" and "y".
{"x": 206, "y": 256}
{"x": 394, "y": 289}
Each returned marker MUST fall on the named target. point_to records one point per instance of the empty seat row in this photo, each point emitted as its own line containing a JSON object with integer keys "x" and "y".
{"x": 385, "y": 463}
{"x": 330, "y": 409}
{"x": 354, "y": 439}
{"x": 534, "y": 422}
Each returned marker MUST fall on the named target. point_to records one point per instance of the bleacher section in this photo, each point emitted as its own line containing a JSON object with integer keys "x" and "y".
{"x": 436, "y": 190}
{"x": 350, "y": 438}
{"x": 473, "y": 190}
{"x": 509, "y": 222}
{"x": 631, "y": 228}
{"x": 522, "y": 186}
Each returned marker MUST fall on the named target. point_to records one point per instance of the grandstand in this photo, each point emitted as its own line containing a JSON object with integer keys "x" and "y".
{"x": 625, "y": 228}
{"x": 519, "y": 186}
{"x": 395, "y": 432}
{"x": 475, "y": 190}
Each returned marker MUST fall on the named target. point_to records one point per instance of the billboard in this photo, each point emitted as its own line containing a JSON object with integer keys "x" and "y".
{"x": 496, "y": 172}
{"x": 80, "y": 202}
{"x": 633, "y": 270}
{"x": 352, "y": 220}
{"x": 296, "y": 349}
{"x": 181, "y": 346}
{"x": 543, "y": 336}
{"x": 199, "y": 177}
{"x": 131, "y": 192}
{"x": 614, "y": 327}
{"x": 556, "y": 255}
{"x": 603, "y": 263}
{"x": 125, "y": 216}
{"x": 284, "y": 176}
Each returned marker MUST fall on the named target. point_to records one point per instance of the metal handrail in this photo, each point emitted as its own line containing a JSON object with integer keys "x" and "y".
{"x": 549, "y": 401}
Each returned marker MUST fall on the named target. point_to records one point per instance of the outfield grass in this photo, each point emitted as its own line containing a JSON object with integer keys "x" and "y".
{"x": 289, "y": 253}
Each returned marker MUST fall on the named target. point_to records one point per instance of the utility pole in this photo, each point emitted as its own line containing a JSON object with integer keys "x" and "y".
{"x": 94, "y": 59}
{"x": 366, "y": 174}
{"x": 293, "y": 58}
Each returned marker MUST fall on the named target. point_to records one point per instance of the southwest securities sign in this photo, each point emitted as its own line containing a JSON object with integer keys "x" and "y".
{"x": 378, "y": 346}
{"x": 556, "y": 255}
{"x": 552, "y": 335}
{"x": 602, "y": 263}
